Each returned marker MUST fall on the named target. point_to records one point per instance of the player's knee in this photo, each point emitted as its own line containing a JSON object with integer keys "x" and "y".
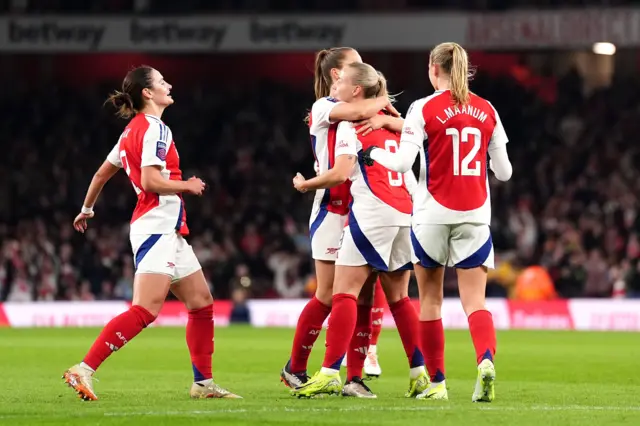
{"x": 470, "y": 307}
{"x": 150, "y": 310}
{"x": 324, "y": 295}
{"x": 198, "y": 299}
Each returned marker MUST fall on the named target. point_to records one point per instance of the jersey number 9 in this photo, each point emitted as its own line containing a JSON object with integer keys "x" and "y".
{"x": 395, "y": 178}
{"x": 463, "y": 168}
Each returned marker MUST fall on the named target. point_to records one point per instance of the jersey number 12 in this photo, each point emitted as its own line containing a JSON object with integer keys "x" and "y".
{"x": 395, "y": 178}
{"x": 463, "y": 168}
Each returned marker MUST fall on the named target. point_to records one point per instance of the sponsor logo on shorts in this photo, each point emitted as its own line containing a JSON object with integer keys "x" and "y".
{"x": 408, "y": 131}
{"x": 171, "y": 265}
{"x": 343, "y": 144}
{"x": 332, "y": 250}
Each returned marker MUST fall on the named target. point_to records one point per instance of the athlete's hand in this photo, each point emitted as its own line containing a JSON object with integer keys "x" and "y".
{"x": 369, "y": 125}
{"x": 195, "y": 186}
{"x": 80, "y": 222}
{"x": 366, "y": 156}
{"x": 392, "y": 110}
{"x": 298, "y": 183}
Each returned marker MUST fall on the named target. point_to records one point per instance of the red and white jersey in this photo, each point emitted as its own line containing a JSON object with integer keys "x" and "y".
{"x": 323, "y": 141}
{"x": 453, "y": 186}
{"x": 147, "y": 141}
{"x": 380, "y": 196}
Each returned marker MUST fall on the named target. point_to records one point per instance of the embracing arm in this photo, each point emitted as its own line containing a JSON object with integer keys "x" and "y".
{"x": 411, "y": 141}
{"x": 400, "y": 161}
{"x": 335, "y": 176}
{"x": 360, "y": 110}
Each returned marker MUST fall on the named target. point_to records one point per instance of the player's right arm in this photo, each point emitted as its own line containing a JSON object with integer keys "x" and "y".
{"x": 326, "y": 111}
{"x": 106, "y": 171}
{"x": 153, "y": 160}
{"x": 499, "y": 163}
{"x": 346, "y": 155}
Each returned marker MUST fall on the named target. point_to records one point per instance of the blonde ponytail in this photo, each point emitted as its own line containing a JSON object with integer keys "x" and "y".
{"x": 459, "y": 75}
{"x": 453, "y": 60}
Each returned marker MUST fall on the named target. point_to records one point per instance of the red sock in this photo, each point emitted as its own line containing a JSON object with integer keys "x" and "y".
{"x": 432, "y": 345}
{"x": 117, "y": 333}
{"x": 307, "y": 332}
{"x": 379, "y": 302}
{"x": 342, "y": 323}
{"x": 359, "y": 345}
{"x": 200, "y": 342}
{"x": 483, "y": 335}
{"x": 407, "y": 322}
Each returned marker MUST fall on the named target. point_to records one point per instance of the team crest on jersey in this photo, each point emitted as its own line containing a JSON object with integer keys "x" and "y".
{"x": 161, "y": 150}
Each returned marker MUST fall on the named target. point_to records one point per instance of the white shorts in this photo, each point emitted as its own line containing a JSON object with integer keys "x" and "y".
{"x": 384, "y": 248}
{"x": 325, "y": 230}
{"x": 464, "y": 246}
{"x": 167, "y": 254}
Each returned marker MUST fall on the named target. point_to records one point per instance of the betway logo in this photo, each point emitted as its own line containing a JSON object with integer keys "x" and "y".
{"x": 294, "y": 32}
{"x": 173, "y": 32}
{"x": 49, "y": 33}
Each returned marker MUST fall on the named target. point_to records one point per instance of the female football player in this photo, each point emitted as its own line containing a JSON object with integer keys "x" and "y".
{"x": 331, "y": 206}
{"x": 377, "y": 237}
{"x": 453, "y": 130}
{"x": 164, "y": 261}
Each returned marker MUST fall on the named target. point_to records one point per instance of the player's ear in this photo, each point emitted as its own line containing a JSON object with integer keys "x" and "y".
{"x": 147, "y": 93}
{"x": 335, "y": 74}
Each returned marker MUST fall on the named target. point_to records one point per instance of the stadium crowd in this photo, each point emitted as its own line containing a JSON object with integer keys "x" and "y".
{"x": 571, "y": 206}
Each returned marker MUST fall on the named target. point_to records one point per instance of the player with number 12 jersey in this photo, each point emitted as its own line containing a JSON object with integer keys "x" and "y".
{"x": 453, "y": 131}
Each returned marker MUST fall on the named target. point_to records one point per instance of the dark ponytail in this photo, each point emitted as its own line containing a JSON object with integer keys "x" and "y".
{"x": 326, "y": 60}
{"x": 123, "y": 103}
{"x": 130, "y": 101}
{"x": 320, "y": 85}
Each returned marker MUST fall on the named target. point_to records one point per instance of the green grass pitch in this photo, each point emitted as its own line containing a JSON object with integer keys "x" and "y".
{"x": 543, "y": 379}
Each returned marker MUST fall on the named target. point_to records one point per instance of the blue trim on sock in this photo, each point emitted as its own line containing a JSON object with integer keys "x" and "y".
{"x": 197, "y": 375}
{"x": 336, "y": 365}
{"x": 417, "y": 360}
{"x": 487, "y": 355}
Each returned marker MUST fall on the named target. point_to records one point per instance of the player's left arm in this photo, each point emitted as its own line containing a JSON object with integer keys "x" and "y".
{"x": 413, "y": 136}
{"x": 499, "y": 159}
{"x": 379, "y": 121}
{"x": 345, "y": 158}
